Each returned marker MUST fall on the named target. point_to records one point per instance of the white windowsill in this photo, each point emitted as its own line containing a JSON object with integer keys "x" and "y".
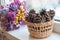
{"x": 56, "y": 27}
{"x": 23, "y": 33}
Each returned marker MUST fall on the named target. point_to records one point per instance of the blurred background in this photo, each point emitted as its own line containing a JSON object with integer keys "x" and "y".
{"x": 47, "y": 4}
{"x": 39, "y": 4}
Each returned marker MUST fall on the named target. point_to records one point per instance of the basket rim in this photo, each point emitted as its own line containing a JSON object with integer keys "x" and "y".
{"x": 40, "y": 22}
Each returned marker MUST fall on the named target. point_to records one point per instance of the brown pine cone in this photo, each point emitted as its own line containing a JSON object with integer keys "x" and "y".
{"x": 51, "y": 13}
{"x": 32, "y": 11}
{"x": 45, "y": 15}
{"x": 43, "y": 12}
{"x": 37, "y": 18}
{"x": 30, "y": 15}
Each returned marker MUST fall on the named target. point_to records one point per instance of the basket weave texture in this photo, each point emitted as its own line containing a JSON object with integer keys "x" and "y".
{"x": 40, "y": 30}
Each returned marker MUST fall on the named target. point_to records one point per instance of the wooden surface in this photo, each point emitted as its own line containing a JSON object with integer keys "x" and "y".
{"x": 5, "y": 36}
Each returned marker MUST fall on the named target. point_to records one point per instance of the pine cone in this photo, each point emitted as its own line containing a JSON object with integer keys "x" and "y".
{"x": 43, "y": 12}
{"x": 32, "y": 11}
{"x": 45, "y": 15}
{"x": 51, "y": 13}
{"x": 37, "y": 18}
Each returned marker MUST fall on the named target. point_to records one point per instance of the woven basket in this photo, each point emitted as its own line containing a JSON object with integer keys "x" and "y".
{"x": 40, "y": 30}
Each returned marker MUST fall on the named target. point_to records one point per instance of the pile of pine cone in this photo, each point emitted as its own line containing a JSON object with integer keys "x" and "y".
{"x": 42, "y": 16}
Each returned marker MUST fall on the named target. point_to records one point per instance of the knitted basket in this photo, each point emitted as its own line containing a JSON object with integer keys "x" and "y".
{"x": 40, "y": 30}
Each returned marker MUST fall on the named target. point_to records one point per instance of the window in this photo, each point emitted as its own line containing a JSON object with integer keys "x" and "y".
{"x": 57, "y": 15}
{"x": 8, "y": 1}
{"x": 48, "y": 4}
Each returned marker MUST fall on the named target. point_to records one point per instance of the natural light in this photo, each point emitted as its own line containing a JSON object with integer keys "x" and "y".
{"x": 48, "y": 4}
{"x": 28, "y": 20}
